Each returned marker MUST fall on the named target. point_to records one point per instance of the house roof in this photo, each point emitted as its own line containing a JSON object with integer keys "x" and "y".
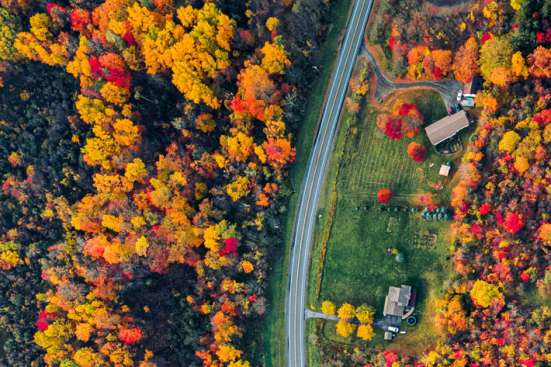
{"x": 397, "y": 300}
{"x": 447, "y": 127}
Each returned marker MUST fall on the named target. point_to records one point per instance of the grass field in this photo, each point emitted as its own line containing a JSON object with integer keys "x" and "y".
{"x": 356, "y": 267}
{"x": 270, "y": 333}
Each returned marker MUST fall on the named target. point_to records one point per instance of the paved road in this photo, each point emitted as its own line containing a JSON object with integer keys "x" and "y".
{"x": 313, "y": 181}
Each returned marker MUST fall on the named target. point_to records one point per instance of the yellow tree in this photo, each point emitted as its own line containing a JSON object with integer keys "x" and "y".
{"x": 346, "y": 312}
{"x": 494, "y": 53}
{"x": 365, "y": 332}
{"x": 328, "y": 308}
{"x": 344, "y": 328}
{"x": 484, "y": 294}
{"x": 364, "y": 314}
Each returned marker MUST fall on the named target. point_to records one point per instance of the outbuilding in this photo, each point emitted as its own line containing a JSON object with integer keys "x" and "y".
{"x": 447, "y": 127}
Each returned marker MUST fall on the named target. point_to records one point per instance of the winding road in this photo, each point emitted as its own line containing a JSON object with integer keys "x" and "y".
{"x": 305, "y": 220}
{"x": 313, "y": 181}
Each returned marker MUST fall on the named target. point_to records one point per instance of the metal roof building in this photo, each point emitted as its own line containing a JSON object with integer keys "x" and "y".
{"x": 447, "y": 127}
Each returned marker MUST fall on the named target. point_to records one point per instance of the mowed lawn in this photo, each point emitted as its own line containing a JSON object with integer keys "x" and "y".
{"x": 357, "y": 268}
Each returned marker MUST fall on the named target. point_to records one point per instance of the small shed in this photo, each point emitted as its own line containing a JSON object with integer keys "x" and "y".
{"x": 447, "y": 127}
{"x": 445, "y": 170}
{"x": 388, "y": 335}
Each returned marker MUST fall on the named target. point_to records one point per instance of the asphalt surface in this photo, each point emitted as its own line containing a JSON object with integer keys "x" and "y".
{"x": 313, "y": 182}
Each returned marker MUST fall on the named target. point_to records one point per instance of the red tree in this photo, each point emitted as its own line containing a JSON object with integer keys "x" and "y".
{"x": 417, "y": 151}
{"x": 384, "y": 195}
{"x": 513, "y": 223}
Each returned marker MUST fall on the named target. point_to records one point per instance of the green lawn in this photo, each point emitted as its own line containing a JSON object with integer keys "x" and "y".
{"x": 356, "y": 267}
{"x": 270, "y": 333}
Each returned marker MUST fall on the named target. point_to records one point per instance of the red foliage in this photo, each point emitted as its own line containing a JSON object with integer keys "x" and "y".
{"x": 130, "y": 336}
{"x": 513, "y": 223}
{"x": 405, "y": 108}
{"x": 393, "y": 129}
{"x": 417, "y": 151}
{"x": 525, "y": 276}
{"x": 437, "y": 73}
{"x": 543, "y": 118}
{"x": 391, "y": 43}
{"x": 80, "y": 19}
{"x": 128, "y": 37}
{"x": 119, "y": 77}
{"x": 486, "y": 37}
{"x": 390, "y": 357}
{"x": 52, "y": 6}
{"x": 476, "y": 230}
{"x": 484, "y": 208}
{"x": 384, "y": 195}
{"x": 237, "y": 105}
{"x": 43, "y": 318}
{"x": 95, "y": 66}
{"x": 230, "y": 246}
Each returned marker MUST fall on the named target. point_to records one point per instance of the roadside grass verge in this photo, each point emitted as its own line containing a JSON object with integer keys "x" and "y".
{"x": 271, "y": 331}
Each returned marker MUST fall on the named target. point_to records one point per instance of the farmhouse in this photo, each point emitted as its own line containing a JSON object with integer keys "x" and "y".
{"x": 447, "y": 127}
{"x": 399, "y": 302}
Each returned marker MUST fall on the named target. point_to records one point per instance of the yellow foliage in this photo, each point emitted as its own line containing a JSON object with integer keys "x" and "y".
{"x": 365, "y": 314}
{"x": 328, "y": 308}
{"x": 365, "y": 332}
{"x": 521, "y": 164}
{"x": 135, "y": 171}
{"x": 239, "y": 147}
{"x": 112, "y": 222}
{"x": 509, "y": 141}
{"x": 346, "y": 311}
{"x": 91, "y": 110}
{"x": 518, "y": 65}
{"x": 483, "y": 293}
{"x": 113, "y": 253}
{"x": 345, "y": 329}
{"x": 86, "y": 357}
{"x": 259, "y": 151}
{"x": 227, "y": 353}
{"x": 247, "y": 266}
{"x": 141, "y": 246}
{"x": 138, "y": 221}
{"x": 114, "y": 94}
{"x": 83, "y": 331}
{"x": 274, "y": 59}
{"x": 39, "y": 26}
{"x": 126, "y": 133}
{"x": 272, "y": 23}
{"x": 500, "y": 76}
{"x": 238, "y": 188}
{"x": 516, "y": 4}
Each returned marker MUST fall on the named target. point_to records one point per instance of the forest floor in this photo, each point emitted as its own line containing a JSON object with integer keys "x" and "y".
{"x": 349, "y": 260}
{"x": 270, "y": 351}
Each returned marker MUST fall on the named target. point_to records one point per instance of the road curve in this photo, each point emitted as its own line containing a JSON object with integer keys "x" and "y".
{"x": 313, "y": 182}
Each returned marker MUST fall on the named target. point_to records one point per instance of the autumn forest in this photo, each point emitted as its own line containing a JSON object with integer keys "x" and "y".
{"x": 145, "y": 156}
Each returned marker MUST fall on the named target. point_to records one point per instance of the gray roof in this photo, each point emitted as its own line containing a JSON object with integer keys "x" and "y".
{"x": 397, "y": 300}
{"x": 447, "y": 127}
